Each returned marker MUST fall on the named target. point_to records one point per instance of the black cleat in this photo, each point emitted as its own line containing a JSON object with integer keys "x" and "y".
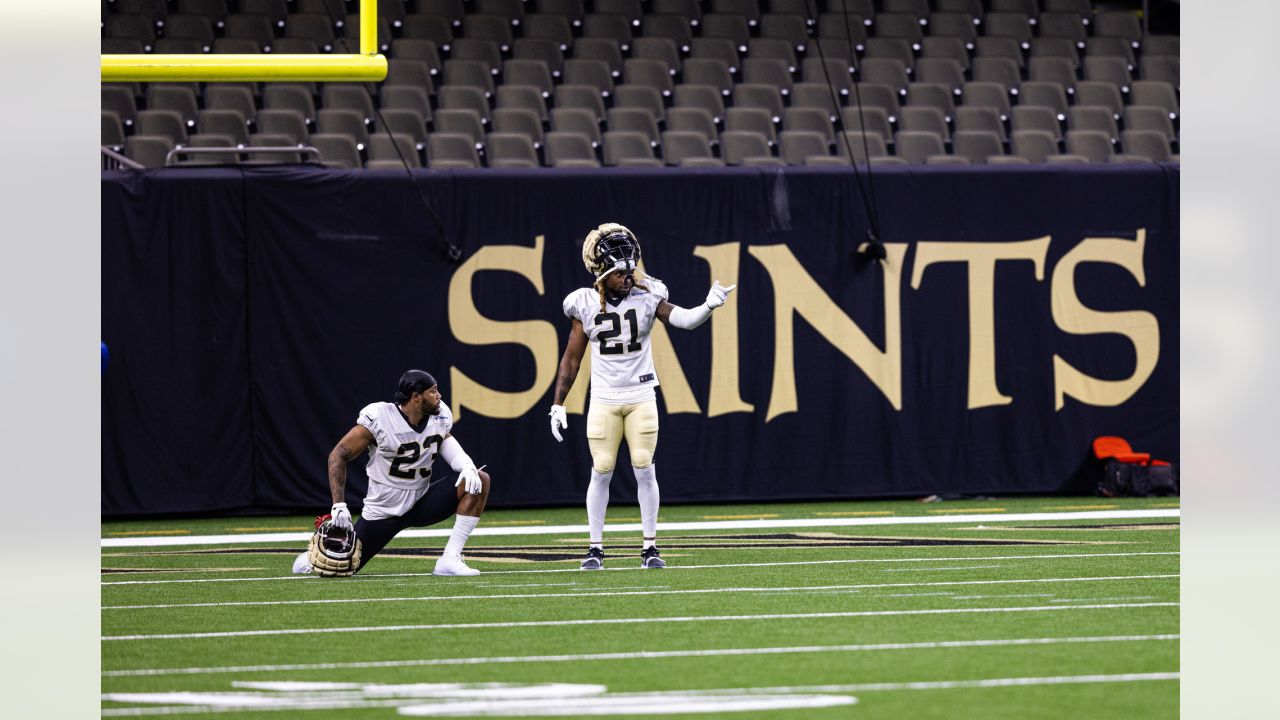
{"x": 650, "y": 558}
{"x": 594, "y": 559}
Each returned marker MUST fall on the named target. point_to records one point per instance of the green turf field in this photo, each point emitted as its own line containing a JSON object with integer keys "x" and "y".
{"x": 972, "y": 617}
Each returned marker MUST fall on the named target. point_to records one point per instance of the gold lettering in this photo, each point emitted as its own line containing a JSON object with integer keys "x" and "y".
{"x": 472, "y": 328}
{"x": 981, "y": 258}
{"x": 796, "y": 292}
{"x": 725, "y": 396}
{"x": 1140, "y": 327}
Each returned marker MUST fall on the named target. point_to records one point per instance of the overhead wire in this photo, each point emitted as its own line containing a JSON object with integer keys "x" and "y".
{"x": 451, "y": 250}
{"x": 875, "y": 247}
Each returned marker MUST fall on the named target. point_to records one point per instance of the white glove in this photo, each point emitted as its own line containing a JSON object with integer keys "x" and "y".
{"x": 718, "y": 294}
{"x": 341, "y": 516}
{"x": 471, "y": 477}
{"x": 559, "y": 421}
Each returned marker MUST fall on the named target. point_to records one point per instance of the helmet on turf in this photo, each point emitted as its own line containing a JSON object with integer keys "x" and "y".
{"x": 335, "y": 543}
{"x": 608, "y": 248}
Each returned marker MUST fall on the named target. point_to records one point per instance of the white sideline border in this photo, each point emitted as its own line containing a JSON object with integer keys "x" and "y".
{"x": 377, "y": 577}
{"x": 297, "y": 537}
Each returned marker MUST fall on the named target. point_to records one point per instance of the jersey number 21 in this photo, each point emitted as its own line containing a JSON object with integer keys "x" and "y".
{"x": 608, "y": 346}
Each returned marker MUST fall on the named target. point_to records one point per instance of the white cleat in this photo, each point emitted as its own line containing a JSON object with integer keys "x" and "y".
{"x": 453, "y": 565}
{"x": 302, "y": 565}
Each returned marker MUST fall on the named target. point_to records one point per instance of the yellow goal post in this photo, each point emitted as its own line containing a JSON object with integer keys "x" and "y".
{"x": 367, "y": 66}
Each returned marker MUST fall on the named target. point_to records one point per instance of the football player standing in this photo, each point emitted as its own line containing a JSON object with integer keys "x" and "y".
{"x": 615, "y": 316}
{"x": 403, "y": 439}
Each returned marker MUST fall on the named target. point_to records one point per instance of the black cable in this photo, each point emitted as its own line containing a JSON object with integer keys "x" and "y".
{"x": 451, "y": 251}
{"x": 875, "y": 248}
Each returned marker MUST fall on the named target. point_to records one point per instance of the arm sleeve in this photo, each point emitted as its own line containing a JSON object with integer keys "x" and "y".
{"x": 688, "y": 319}
{"x": 453, "y": 454}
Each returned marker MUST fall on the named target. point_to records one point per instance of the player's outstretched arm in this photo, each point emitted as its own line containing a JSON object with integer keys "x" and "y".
{"x": 356, "y": 441}
{"x": 569, "y": 364}
{"x": 688, "y": 319}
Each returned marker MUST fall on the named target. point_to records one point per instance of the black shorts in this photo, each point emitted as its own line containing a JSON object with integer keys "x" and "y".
{"x": 437, "y": 505}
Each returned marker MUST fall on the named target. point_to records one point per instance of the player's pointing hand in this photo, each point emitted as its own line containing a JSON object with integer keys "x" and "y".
{"x": 718, "y": 294}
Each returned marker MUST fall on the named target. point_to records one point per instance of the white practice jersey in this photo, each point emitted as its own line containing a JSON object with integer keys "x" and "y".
{"x": 399, "y": 466}
{"x": 621, "y": 360}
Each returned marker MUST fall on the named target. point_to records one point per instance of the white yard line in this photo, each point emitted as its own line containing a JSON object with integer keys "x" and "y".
{"x": 950, "y": 684}
{"x": 375, "y": 577}
{"x": 295, "y": 537}
{"x": 617, "y": 592}
{"x": 648, "y": 620}
{"x": 637, "y": 655}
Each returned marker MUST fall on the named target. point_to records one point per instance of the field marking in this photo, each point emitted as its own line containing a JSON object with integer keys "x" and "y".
{"x": 163, "y": 533}
{"x": 955, "y": 684}
{"x": 855, "y": 513}
{"x": 756, "y": 516}
{"x": 615, "y": 592}
{"x": 959, "y": 511}
{"x": 377, "y": 577}
{"x": 639, "y": 655}
{"x": 667, "y": 527}
{"x": 1088, "y": 507}
{"x": 631, "y": 620}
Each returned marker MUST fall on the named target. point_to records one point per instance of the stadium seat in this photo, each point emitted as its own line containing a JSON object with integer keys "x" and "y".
{"x": 639, "y": 96}
{"x": 390, "y": 152}
{"x": 161, "y": 123}
{"x": 871, "y": 120}
{"x": 544, "y": 51}
{"x": 407, "y": 98}
{"x": 409, "y": 122}
{"x": 680, "y": 146}
{"x": 1015, "y": 26}
{"x": 791, "y": 28}
{"x": 228, "y": 123}
{"x": 916, "y": 146}
{"x": 569, "y": 149}
{"x": 737, "y": 145}
{"x": 862, "y": 145}
{"x": 1096, "y": 92}
{"x": 924, "y": 119}
{"x": 451, "y": 151}
{"x": 776, "y": 49}
{"x": 1148, "y": 117}
{"x": 336, "y": 121}
{"x": 1044, "y": 94}
{"x": 768, "y": 71}
{"x": 1107, "y": 68}
{"x": 1149, "y": 144}
{"x": 705, "y": 97}
{"x": 1121, "y": 24}
{"x": 761, "y": 96}
{"x": 1085, "y": 117}
{"x": 971, "y": 118}
{"x": 715, "y": 49}
{"x": 751, "y": 119}
{"x": 976, "y": 146}
{"x": 692, "y": 119}
{"x": 577, "y": 121}
{"x": 119, "y": 100}
{"x": 465, "y": 97}
{"x": 990, "y": 95}
{"x": 1036, "y": 117}
{"x": 662, "y": 50}
{"x": 946, "y": 48}
{"x": 580, "y": 96}
{"x": 812, "y": 120}
{"x": 518, "y": 120}
{"x": 435, "y": 28}
{"x": 527, "y": 97}
{"x": 288, "y": 123}
{"x": 648, "y": 73}
{"x": 1092, "y": 144}
{"x": 794, "y": 146}
{"x": 489, "y": 27}
{"x": 613, "y": 27}
{"x": 629, "y": 119}
{"x": 673, "y": 28}
{"x": 510, "y": 150}
{"x": 625, "y": 145}
{"x": 148, "y": 150}
{"x": 112, "y": 131}
{"x": 337, "y": 151}
{"x": 591, "y": 73}
{"x": 533, "y": 73}
{"x": 1033, "y": 145}
{"x": 730, "y": 27}
{"x": 1155, "y": 93}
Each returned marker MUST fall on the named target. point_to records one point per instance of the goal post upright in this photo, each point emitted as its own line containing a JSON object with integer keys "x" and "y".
{"x": 366, "y": 66}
